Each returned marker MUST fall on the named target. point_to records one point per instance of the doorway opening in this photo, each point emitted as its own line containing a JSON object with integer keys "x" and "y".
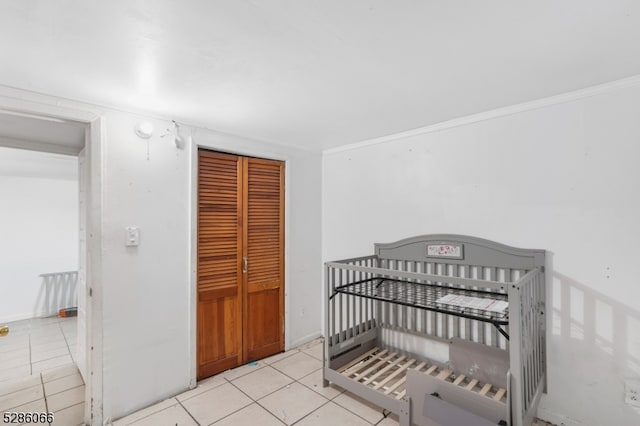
{"x": 45, "y": 165}
{"x": 39, "y": 254}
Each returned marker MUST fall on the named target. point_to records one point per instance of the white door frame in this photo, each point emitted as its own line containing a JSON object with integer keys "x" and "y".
{"x": 11, "y": 101}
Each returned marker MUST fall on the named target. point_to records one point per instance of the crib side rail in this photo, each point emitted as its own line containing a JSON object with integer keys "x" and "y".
{"x": 395, "y": 273}
{"x": 347, "y": 318}
{"x": 438, "y": 326}
{"x": 527, "y": 346}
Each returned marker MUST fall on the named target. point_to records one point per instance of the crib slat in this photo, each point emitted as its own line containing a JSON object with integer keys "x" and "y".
{"x": 424, "y": 313}
{"x": 393, "y": 375}
{"x": 479, "y": 325}
{"x": 396, "y": 385}
{"x": 340, "y": 310}
{"x": 433, "y": 327}
{"x": 400, "y": 382}
{"x": 455, "y": 271}
{"x": 493, "y": 276}
{"x": 352, "y": 318}
{"x": 441, "y": 269}
{"x": 498, "y": 396}
{"x": 405, "y": 323}
{"x": 356, "y": 368}
{"x": 472, "y": 384}
{"x": 379, "y": 364}
{"x": 385, "y": 369}
{"x": 444, "y": 374}
{"x": 485, "y": 389}
{"x": 334, "y": 337}
{"x": 467, "y": 322}
{"x": 357, "y": 360}
{"x": 431, "y": 370}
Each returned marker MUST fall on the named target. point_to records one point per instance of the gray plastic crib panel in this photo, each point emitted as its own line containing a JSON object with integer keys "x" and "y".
{"x": 434, "y": 400}
{"x": 437, "y": 412}
{"x": 475, "y": 251}
{"x": 485, "y": 363}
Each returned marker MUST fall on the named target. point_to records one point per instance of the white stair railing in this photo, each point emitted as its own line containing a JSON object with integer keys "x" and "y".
{"x": 59, "y": 291}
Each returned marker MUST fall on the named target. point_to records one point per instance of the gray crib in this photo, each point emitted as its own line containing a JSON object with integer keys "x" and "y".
{"x": 440, "y": 329}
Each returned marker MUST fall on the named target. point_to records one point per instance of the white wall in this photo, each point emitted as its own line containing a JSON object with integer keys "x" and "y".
{"x": 38, "y": 228}
{"x": 564, "y": 178}
{"x": 148, "y": 351}
{"x": 148, "y": 306}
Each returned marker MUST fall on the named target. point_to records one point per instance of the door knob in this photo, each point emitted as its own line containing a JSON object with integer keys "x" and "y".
{"x": 4, "y": 330}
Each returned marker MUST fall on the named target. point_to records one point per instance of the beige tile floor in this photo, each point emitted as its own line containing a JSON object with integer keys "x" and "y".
{"x": 37, "y": 345}
{"x": 283, "y": 389}
{"x": 59, "y": 391}
{"x": 37, "y": 373}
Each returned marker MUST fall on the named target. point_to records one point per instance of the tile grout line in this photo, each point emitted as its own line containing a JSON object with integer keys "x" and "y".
{"x": 301, "y": 384}
{"x": 383, "y": 417}
{"x": 255, "y": 401}
{"x": 298, "y": 381}
{"x": 188, "y": 412}
{"x": 148, "y": 415}
{"x": 344, "y": 392}
{"x": 65, "y": 390}
{"x": 278, "y": 389}
{"x": 246, "y": 374}
{"x": 308, "y": 414}
{"x": 358, "y": 415}
{"x": 64, "y": 336}
{"x": 283, "y": 358}
{"x": 31, "y": 357}
{"x": 226, "y": 380}
{"x": 44, "y": 396}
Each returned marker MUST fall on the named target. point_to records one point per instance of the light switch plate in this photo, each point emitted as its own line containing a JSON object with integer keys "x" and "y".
{"x": 132, "y": 237}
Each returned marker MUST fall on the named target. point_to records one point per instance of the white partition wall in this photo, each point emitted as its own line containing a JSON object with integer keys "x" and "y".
{"x": 142, "y": 311}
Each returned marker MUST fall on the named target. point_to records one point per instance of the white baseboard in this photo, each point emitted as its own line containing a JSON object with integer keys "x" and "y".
{"x": 302, "y": 340}
{"x": 25, "y": 316}
{"x": 557, "y": 419}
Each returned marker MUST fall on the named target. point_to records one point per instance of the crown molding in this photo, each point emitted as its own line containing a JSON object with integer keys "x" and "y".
{"x": 494, "y": 113}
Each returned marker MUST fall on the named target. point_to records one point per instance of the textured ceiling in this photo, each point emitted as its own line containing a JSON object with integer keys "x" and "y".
{"x": 315, "y": 74}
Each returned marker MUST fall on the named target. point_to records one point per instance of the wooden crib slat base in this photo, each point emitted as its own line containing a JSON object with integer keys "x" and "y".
{"x": 386, "y": 373}
{"x": 357, "y": 360}
{"x": 399, "y": 371}
{"x": 384, "y": 370}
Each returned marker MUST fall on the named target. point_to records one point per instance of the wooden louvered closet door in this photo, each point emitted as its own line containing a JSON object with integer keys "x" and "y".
{"x": 264, "y": 248}
{"x": 219, "y": 345}
{"x": 240, "y": 266}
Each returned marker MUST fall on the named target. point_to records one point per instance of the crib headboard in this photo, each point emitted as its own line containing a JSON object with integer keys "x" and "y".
{"x": 461, "y": 250}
